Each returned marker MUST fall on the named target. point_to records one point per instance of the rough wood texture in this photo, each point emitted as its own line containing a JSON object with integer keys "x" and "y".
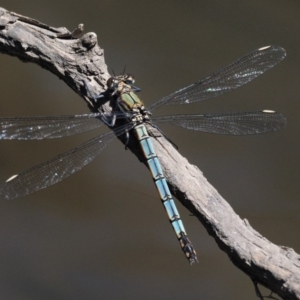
{"x": 72, "y": 60}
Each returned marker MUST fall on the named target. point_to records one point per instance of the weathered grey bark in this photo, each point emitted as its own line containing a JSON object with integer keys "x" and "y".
{"x": 72, "y": 60}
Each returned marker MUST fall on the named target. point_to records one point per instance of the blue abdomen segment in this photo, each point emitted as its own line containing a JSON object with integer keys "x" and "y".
{"x": 164, "y": 192}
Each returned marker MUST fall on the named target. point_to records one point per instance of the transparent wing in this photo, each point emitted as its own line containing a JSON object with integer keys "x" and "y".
{"x": 226, "y": 79}
{"x": 50, "y": 127}
{"x": 59, "y": 167}
{"x": 241, "y": 123}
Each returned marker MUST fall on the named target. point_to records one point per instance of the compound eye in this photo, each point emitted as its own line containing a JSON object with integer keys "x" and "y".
{"x": 110, "y": 82}
{"x": 130, "y": 79}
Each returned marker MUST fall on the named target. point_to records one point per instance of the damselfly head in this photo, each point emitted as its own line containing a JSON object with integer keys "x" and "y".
{"x": 129, "y": 79}
{"x": 114, "y": 81}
